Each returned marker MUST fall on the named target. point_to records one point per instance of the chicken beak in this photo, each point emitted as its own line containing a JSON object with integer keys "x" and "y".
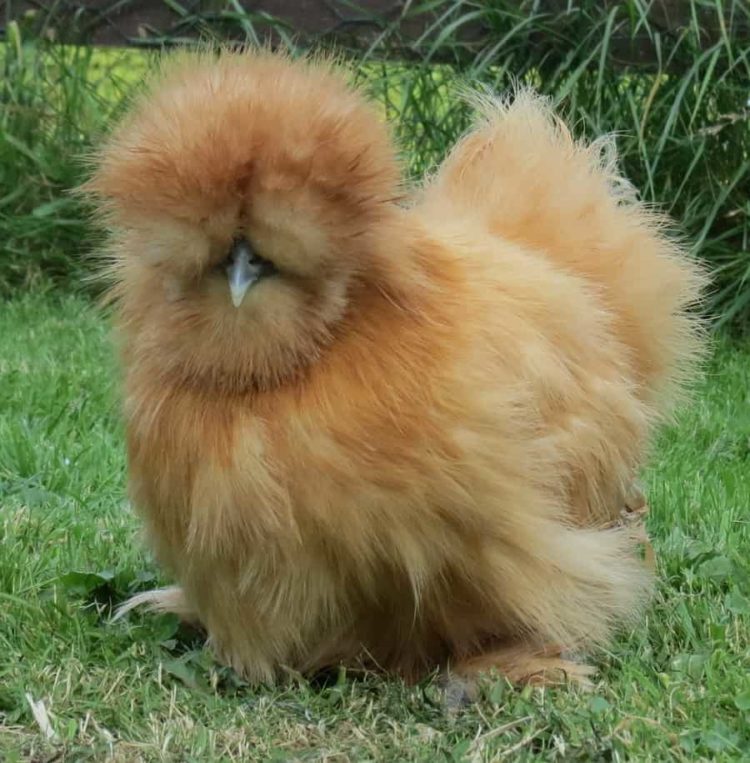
{"x": 243, "y": 270}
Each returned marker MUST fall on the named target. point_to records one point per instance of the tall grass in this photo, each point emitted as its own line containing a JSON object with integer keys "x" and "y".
{"x": 55, "y": 101}
{"x": 683, "y": 122}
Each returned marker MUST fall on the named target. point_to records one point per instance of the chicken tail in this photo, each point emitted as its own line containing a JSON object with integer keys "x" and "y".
{"x": 520, "y": 176}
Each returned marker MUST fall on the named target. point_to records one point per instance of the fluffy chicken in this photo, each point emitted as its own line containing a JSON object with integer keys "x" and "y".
{"x": 377, "y": 428}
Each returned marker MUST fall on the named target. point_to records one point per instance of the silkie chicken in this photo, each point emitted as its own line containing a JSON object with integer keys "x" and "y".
{"x": 378, "y": 427}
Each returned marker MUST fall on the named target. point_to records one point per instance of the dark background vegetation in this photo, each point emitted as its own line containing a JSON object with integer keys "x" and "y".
{"x": 671, "y": 79}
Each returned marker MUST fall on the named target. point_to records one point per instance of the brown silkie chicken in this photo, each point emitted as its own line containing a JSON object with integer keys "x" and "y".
{"x": 374, "y": 433}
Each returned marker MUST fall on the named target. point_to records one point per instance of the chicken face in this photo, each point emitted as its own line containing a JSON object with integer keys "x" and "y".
{"x": 239, "y": 228}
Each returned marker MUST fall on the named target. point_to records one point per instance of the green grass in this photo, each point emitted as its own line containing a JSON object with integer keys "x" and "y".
{"x": 675, "y": 688}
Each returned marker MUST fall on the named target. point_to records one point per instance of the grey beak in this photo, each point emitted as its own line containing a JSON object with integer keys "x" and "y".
{"x": 243, "y": 270}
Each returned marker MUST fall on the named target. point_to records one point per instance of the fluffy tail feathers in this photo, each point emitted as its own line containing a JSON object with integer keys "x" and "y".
{"x": 519, "y": 175}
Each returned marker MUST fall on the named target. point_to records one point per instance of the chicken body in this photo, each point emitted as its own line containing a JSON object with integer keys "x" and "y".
{"x": 414, "y": 461}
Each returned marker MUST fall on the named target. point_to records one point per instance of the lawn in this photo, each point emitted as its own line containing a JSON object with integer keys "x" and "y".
{"x": 675, "y": 688}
